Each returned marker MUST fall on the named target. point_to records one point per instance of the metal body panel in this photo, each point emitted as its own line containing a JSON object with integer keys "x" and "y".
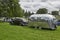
{"x": 44, "y": 21}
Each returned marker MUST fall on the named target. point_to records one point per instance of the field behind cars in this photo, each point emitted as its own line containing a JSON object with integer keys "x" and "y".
{"x": 13, "y": 32}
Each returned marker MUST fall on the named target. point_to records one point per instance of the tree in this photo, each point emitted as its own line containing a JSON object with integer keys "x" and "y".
{"x": 32, "y": 13}
{"x": 27, "y": 14}
{"x": 18, "y": 12}
{"x": 42, "y": 11}
{"x": 10, "y": 8}
{"x": 55, "y": 12}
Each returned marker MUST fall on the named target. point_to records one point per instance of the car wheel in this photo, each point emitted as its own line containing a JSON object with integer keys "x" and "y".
{"x": 55, "y": 27}
{"x": 22, "y": 24}
{"x": 11, "y": 23}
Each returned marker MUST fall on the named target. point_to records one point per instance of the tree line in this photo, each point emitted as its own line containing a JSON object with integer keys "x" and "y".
{"x": 11, "y": 8}
{"x": 42, "y": 11}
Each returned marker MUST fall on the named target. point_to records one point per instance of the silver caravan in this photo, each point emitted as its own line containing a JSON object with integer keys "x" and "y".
{"x": 43, "y": 21}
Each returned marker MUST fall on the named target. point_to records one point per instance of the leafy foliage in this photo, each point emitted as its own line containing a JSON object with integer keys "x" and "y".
{"x": 10, "y": 8}
{"x": 27, "y": 14}
{"x": 55, "y": 12}
{"x": 42, "y": 11}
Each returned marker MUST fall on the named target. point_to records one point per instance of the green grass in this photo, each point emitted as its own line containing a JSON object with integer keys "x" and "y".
{"x": 11, "y": 32}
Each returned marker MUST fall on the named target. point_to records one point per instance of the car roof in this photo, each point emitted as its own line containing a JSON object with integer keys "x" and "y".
{"x": 23, "y": 19}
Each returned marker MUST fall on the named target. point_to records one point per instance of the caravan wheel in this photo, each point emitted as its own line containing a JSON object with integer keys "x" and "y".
{"x": 55, "y": 27}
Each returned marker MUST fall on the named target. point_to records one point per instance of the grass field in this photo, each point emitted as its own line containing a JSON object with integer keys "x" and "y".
{"x": 11, "y": 32}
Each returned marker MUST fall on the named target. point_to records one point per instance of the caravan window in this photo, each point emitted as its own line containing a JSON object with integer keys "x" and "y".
{"x": 40, "y": 19}
{"x": 46, "y": 18}
{"x": 34, "y": 18}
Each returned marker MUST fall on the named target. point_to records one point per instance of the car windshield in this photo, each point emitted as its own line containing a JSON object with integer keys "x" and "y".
{"x": 24, "y": 19}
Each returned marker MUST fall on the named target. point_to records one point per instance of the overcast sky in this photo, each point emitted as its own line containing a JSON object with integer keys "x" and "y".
{"x": 34, "y": 5}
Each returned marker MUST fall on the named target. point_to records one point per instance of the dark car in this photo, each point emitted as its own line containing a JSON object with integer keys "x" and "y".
{"x": 19, "y": 21}
{"x": 58, "y": 22}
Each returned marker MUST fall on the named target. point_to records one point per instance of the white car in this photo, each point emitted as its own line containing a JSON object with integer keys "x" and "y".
{"x": 43, "y": 21}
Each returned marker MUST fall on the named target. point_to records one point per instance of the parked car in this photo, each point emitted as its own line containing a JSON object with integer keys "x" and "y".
{"x": 58, "y": 22}
{"x": 19, "y": 21}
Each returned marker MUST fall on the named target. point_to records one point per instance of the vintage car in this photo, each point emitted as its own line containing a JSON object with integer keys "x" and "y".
{"x": 19, "y": 21}
{"x": 43, "y": 21}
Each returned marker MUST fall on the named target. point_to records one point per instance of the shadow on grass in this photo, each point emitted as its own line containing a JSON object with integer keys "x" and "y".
{"x": 36, "y": 28}
{"x": 42, "y": 28}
